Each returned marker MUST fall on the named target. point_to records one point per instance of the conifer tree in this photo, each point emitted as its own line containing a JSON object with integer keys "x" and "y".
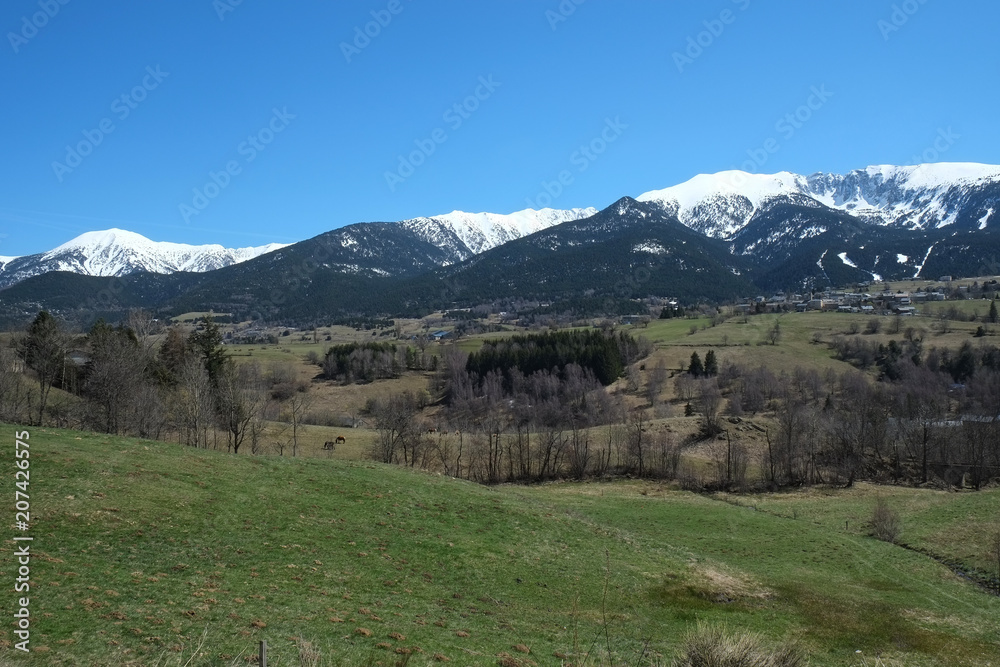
{"x": 696, "y": 368}
{"x": 711, "y": 364}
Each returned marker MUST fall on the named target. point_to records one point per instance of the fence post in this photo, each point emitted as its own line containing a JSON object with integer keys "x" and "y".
{"x": 262, "y": 658}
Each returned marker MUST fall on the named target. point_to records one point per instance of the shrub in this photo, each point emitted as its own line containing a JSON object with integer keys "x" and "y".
{"x": 885, "y": 522}
{"x": 715, "y": 647}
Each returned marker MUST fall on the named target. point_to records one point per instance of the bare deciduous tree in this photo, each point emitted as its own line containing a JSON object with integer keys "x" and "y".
{"x": 240, "y": 399}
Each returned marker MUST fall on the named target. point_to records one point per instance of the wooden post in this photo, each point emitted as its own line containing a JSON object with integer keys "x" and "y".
{"x": 262, "y": 658}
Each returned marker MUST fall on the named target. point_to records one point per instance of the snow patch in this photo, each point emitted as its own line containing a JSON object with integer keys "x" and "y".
{"x": 902, "y": 259}
{"x": 983, "y": 220}
{"x": 843, "y": 258}
{"x": 921, "y": 267}
{"x": 811, "y": 231}
{"x": 651, "y": 247}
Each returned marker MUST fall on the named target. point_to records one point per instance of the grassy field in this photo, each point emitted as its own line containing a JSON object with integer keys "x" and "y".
{"x": 141, "y": 549}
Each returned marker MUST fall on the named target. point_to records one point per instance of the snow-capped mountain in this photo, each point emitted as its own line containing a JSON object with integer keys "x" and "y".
{"x": 919, "y": 197}
{"x": 479, "y": 232}
{"x": 374, "y": 249}
{"x": 116, "y": 252}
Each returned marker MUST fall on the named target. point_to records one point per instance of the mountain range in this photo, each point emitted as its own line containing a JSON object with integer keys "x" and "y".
{"x": 116, "y": 252}
{"x": 715, "y": 236}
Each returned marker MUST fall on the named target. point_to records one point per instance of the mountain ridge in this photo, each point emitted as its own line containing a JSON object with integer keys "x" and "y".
{"x": 917, "y": 197}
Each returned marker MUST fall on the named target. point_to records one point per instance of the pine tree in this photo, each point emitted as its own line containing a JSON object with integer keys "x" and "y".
{"x": 711, "y": 364}
{"x": 44, "y": 351}
{"x": 696, "y": 368}
{"x": 208, "y": 344}
{"x": 993, "y": 311}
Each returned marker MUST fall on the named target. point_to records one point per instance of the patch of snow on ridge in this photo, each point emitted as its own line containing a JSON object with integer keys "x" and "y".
{"x": 650, "y": 247}
{"x": 921, "y": 267}
{"x": 843, "y": 258}
{"x": 983, "y": 220}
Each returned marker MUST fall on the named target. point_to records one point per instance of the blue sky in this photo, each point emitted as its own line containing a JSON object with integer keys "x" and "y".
{"x": 119, "y": 114}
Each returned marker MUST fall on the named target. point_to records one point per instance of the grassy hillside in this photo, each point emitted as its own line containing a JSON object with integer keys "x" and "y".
{"x": 141, "y": 548}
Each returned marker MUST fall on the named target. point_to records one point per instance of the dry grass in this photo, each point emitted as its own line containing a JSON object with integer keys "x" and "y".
{"x": 713, "y": 646}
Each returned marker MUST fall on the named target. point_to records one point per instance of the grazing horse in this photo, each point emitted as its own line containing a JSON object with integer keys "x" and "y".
{"x": 329, "y": 445}
{"x": 341, "y": 439}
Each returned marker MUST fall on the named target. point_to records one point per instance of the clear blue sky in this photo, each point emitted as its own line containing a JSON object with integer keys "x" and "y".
{"x": 554, "y": 85}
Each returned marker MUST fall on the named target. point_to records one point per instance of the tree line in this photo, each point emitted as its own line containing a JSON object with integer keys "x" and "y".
{"x": 127, "y": 384}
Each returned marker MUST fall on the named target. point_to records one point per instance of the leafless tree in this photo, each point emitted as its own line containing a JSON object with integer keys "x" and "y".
{"x": 15, "y": 398}
{"x": 685, "y": 387}
{"x": 655, "y": 383}
{"x": 296, "y": 406}
{"x": 193, "y": 402}
{"x": 398, "y": 434}
{"x": 240, "y": 399}
{"x": 709, "y": 403}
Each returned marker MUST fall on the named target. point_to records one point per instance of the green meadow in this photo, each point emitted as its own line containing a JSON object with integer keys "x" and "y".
{"x": 148, "y": 553}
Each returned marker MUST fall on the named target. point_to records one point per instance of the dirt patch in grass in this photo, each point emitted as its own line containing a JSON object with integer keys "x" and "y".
{"x": 707, "y": 586}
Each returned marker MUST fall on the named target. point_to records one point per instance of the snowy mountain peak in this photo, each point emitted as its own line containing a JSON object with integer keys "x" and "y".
{"x": 480, "y": 232}
{"x": 755, "y": 187}
{"x": 102, "y": 239}
{"x": 117, "y": 252}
